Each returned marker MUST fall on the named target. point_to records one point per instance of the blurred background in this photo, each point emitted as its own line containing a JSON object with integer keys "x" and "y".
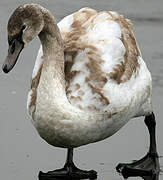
{"x": 22, "y": 152}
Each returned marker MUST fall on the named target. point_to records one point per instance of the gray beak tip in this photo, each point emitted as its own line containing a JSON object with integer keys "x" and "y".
{"x": 5, "y": 69}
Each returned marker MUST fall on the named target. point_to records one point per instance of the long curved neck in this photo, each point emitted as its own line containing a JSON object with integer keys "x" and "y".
{"x": 50, "y": 36}
{"x": 51, "y": 41}
{"x": 52, "y": 80}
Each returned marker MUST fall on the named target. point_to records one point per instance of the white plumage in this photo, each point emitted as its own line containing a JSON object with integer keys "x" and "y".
{"x": 91, "y": 110}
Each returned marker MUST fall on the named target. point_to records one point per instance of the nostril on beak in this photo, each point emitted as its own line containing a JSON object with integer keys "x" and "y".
{"x": 5, "y": 70}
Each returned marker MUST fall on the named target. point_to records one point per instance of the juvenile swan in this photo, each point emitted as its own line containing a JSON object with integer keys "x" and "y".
{"x": 88, "y": 81}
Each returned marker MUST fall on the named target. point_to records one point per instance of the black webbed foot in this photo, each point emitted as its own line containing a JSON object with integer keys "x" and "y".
{"x": 147, "y": 168}
{"x": 68, "y": 172}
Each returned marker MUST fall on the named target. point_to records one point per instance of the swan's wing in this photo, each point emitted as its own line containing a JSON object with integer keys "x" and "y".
{"x": 102, "y": 59}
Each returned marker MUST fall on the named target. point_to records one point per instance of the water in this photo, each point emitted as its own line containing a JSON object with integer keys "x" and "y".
{"x": 22, "y": 152}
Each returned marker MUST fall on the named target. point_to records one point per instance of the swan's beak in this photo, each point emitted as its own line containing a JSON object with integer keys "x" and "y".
{"x": 13, "y": 53}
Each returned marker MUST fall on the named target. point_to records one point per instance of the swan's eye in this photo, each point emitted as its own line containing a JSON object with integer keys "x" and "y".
{"x": 17, "y": 37}
{"x": 23, "y": 27}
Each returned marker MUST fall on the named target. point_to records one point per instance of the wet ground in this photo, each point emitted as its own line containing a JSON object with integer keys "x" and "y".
{"x": 22, "y": 152}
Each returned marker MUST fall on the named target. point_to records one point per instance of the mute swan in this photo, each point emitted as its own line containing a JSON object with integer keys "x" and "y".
{"x": 89, "y": 80}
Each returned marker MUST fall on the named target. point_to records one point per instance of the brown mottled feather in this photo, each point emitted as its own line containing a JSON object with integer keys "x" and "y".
{"x": 123, "y": 71}
{"x": 102, "y": 98}
{"x": 96, "y": 77}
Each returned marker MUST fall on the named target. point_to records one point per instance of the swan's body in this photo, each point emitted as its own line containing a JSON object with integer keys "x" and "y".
{"x": 89, "y": 80}
{"x": 102, "y": 93}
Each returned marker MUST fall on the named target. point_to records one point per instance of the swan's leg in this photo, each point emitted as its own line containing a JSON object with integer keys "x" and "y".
{"x": 69, "y": 171}
{"x": 148, "y": 167}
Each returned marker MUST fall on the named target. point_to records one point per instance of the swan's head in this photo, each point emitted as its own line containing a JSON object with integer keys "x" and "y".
{"x": 25, "y": 23}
